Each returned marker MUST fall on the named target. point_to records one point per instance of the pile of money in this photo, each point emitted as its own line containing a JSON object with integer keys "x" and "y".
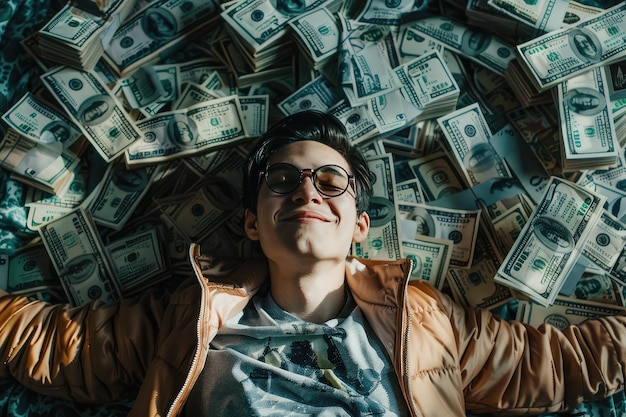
{"x": 499, "y": 186}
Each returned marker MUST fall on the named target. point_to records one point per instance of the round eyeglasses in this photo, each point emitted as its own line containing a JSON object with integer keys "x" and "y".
{"x": 329, "y": 180}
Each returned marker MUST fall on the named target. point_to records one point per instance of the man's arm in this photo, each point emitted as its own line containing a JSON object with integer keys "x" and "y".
{"x": 93, "y": 354}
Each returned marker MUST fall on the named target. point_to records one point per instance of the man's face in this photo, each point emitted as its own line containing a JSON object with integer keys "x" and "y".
{"x": 305, "y": 225}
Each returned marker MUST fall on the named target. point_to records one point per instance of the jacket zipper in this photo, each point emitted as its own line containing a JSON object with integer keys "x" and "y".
{"x": 194, "y": 362}
{"x": 405, "y": 341}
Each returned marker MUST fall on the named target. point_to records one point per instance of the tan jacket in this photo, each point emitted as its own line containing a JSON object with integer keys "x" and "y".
{"x": 447, "y": 358}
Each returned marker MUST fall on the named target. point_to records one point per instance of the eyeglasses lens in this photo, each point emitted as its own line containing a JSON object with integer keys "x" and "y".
{"x": 329, "y": 180}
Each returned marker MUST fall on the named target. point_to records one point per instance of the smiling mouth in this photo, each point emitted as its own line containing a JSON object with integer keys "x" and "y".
{"x": 305, "y": 216}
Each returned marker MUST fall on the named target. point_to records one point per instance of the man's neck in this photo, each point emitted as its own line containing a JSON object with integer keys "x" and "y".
{"x": 315, "y": 295}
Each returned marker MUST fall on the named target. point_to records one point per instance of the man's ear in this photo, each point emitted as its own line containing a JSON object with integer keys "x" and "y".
{"x": 362, "y": 227}
{"x": 250, "y": 225}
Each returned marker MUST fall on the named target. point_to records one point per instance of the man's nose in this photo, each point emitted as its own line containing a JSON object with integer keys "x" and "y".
{"x": 306, "y": 190}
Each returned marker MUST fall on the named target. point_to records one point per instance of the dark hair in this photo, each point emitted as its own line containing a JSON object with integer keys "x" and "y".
{"x": 307, "y": 125}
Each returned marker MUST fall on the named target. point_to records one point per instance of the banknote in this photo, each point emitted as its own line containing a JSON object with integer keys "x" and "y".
{"x": 137, "y": 261}
{"x": 194, "y": 94}
{"x": 199, "y": 128}
{"x": 91, "y": 105}
{"x": 508, "y": 226}
{"x": 605, "y": 242}
{"x": 544, "y": 15}
{"x": 437, "y": 176}
{"x": 565, "y": 311}
{"x": 318, "y": 31}
{"x": 524, "y": 163}
{"x": 468, "y": 135}
{"x": 587, "y": 127}
{"x": 150, "y": 87}
{"x": 428, "y": 83}
{"x": 413, "y": 44}
{"x": 37, "y": 164}
{"x": 75, "y": 249}
{"x": 119, "y": 192}
{"x": 36, "y": 120}
{"x": 382, "y": 241}
{"x": 392, "y": 111}
{"x": 430, "y": 257}
{"x": 480, "y": 47}
{"x": 30, "y": 270}
{"x": 358, "y": 121}
{"x": 163, "y": 24}
{"x": 475, "y": 286}
{"x": 76, "y": 193}
{"x": 381, "y": 12}
{"x": 317, "y": 94}
{"x": 365, "y": 58}
{"x": 551, "y": 241}
{"x": 200, "y": 71}
{"x": 459, "y": 226}
{"x": 561, "y": 54}
{"x": 262, "y": 22}
{"x": 255, "y": 113}
{"x": 409, "y": 191}
{"x": 196, "y": 215}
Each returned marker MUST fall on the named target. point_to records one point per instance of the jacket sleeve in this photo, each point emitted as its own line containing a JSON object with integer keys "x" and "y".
{"x": 507, "y": 365}
{"x": 94, "y": 353}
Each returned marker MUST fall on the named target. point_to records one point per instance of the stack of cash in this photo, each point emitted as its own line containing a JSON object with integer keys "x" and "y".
{"x": 496, "y": 192}
{"x": 75, "y": 37}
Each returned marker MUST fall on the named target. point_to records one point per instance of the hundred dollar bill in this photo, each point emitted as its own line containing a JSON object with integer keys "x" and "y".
{"x": 75, "y": 249}
{"x": 393, "y": 112}
{"x": 480, "y": 47}
{"x": 437, "y": 176}
{"x": 381, "y": 12}
{"x": 30, "y": 270}
{"x": 118, "y": 193}
{"x": 459, "y": 226}
{"x": 413, "y": 44}
{"x": 194, "y": 94}
{"x": 382, "y": 241}
{"x": 409, "y": 191}
{"x": 91, "y": 105}
{"x": 366, "y": 54}
{"x": 561, "y": 54}
{"x": 587, "y": 128}
{"x": 163, "y": 24}
{"x": 551, "y": 241}
{"x": 565, "y": 311}
{"x": 260, "y": 23}
{"x": 255, "y": 113}
{"x": 196, "y": 215}
{"x": 317, "y": 94}
{"x": 523, "y": 162}
{"x": 151, "y": 87}
{"x": 508, "y": 226}
{"x": 606, "y": 241}
{"x": 199, "y": 128}
{"x": 36, "y": 120}
{"x": 544, "y": 15}
{"x": 430, "y": 257}
{"x": 37, "y": 164}
{"x": 468, "y": 134}
{"x": 318, "y": 31}
{"x": 137, "y": 261}
{"x": 429, "y": 85}
{"x": 475, "y": 286}
{"x": 358, "y": 121}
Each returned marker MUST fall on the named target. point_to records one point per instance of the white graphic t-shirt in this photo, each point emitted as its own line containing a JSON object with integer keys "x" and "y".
{"x": 267, "y": 362}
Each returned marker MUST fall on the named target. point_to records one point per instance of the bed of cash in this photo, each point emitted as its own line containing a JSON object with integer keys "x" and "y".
{"x": 494, "y": 131}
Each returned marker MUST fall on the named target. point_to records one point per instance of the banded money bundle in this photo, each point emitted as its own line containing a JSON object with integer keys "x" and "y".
{"x": 75, "y": 37}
